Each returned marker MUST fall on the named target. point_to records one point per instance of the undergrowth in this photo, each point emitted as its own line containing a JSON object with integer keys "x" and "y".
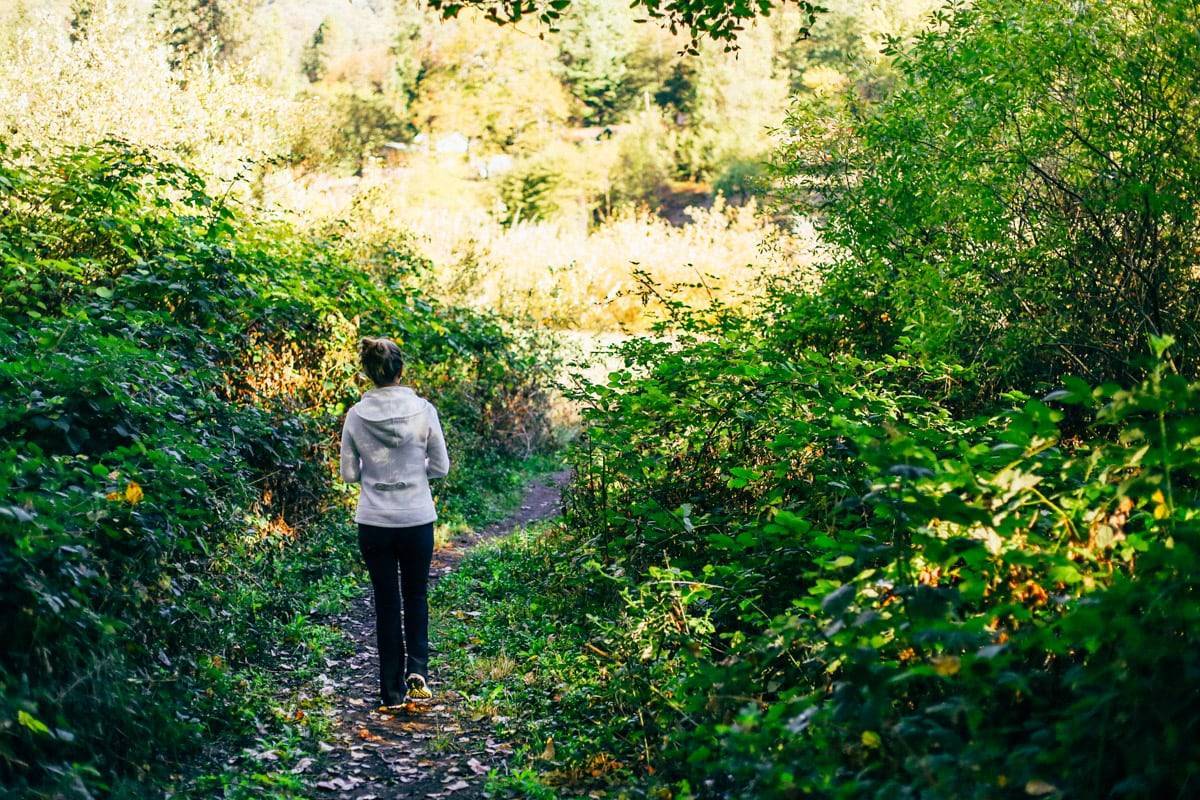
{"x": 513, "y": 622}
{"x": 173, "y": 375}
{"x": 953, "y": 608}
{"x": 930, "y": 529}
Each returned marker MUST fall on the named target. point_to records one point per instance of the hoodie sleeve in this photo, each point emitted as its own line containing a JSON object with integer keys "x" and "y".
{"x": 437, "y": 460}
{"x": 351, "y": 466}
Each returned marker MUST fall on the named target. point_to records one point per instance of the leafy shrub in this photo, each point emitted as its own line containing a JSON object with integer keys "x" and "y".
{"x": 345, "y": 126}
{"x": 809, "y": 581}
{"x": 835, "y": 545}
{"x": 172, "y": 379}
{"x": 643, "y": 165}
{"x": 527, "y": 195}
{"x": 1022, "y": 201}
{"x": 742, "y": 179}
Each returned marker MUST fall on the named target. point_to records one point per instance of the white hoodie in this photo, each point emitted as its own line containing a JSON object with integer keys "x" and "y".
{"x": 392, "y": 444}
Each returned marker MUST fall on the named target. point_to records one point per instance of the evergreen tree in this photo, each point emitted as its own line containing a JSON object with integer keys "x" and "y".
{"x": 595, "y": 44}
{"x": 314, "y": 61}
{"x": 201, "y": 29}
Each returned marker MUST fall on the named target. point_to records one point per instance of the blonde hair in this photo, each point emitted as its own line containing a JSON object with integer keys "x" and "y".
{"x": 381, "y": 359}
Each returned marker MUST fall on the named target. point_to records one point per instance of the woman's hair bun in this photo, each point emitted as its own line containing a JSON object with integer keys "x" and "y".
{"x": 371, "y": 345}
{"x": 381, "y": 359}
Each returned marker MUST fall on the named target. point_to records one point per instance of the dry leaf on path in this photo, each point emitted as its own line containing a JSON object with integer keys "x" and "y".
{"x": 302, "y": 765}
{"x": 365, "y": 734}
{"x": 339, "y": 784}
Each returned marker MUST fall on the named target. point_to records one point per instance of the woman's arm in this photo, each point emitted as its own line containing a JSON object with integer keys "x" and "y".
{"x": 437, "y": 460}
{"x": 351, "y": 466}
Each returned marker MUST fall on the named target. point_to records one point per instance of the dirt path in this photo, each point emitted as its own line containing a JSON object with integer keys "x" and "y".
{"x": 431, "y": 752}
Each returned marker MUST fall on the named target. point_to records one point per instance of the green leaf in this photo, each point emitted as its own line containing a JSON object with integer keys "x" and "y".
{"x": 32, "y": 723}
{"x": 1161, "y": 344}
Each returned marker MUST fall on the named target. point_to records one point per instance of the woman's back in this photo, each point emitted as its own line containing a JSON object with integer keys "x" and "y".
{"x": 392, "y": 443}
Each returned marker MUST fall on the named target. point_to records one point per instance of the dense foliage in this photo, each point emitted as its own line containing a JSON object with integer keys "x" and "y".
{"x": 833, "y": 585}
{"x": 930, "y": 530}
{"x": 1024, "y": 203}
{"x": 172, "y": 380}
{"x": 720, "y": 20}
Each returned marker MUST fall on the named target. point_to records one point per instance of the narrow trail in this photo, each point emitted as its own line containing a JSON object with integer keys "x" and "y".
{"x": 431, "y": 752}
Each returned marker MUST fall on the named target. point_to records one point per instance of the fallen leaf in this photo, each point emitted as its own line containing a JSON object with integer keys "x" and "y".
{"x": 477, "y": 766}
{"x": 946, "y": 665}
{"x": 1038, "y": 788}
{"x": 339, "y": 784}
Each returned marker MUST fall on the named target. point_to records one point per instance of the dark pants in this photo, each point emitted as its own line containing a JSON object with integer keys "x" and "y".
{"x": 401, "y": 609}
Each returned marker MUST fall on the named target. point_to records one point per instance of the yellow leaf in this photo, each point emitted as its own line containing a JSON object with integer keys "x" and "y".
{"x": 548, "y": 753}
{"x": 946, "y": 665}
{"x": 1037, "y": 788}
{"x": 133, "y": 493}
{"x": 870, "y": 738}
{"x": 113, "y": 496}
{"x": 1158, "y": 497}
{"x": 1161, "y": 512}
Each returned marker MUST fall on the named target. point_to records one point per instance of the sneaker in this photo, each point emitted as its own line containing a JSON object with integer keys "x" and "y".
{"x": 417, "y": 688}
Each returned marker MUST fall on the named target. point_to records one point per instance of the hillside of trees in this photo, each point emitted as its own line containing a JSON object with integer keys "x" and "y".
{"x": 593, "y": 146}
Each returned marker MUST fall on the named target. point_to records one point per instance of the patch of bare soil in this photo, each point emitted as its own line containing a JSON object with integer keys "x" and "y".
{"x": 431, "y": 751}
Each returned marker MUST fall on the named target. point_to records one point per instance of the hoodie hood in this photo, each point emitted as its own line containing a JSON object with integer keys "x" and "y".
{"x": 389, "y": 403}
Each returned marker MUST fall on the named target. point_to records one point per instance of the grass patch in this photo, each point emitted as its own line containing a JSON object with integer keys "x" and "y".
{"x": 491, "y": 493}
{"x": 515, "y": 640}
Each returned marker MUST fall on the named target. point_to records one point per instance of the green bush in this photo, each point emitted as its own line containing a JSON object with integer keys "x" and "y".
{"x": 931, "y": 529}
{"x": 173, "y": 376}
{"x": 527, "y": 195}
{"x": 822, "y": 583}
{"x": 1023, "y": 202}
{"x": 345, "y": 126}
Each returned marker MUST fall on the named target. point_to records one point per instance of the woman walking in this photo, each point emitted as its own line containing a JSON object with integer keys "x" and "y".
{"x": 392, "y": 445}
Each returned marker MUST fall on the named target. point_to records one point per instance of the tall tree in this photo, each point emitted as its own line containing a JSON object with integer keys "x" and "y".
{"x": 201, "y": 29}
{"x": 593, "y": 47}
{"x": 325, "y": 41}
